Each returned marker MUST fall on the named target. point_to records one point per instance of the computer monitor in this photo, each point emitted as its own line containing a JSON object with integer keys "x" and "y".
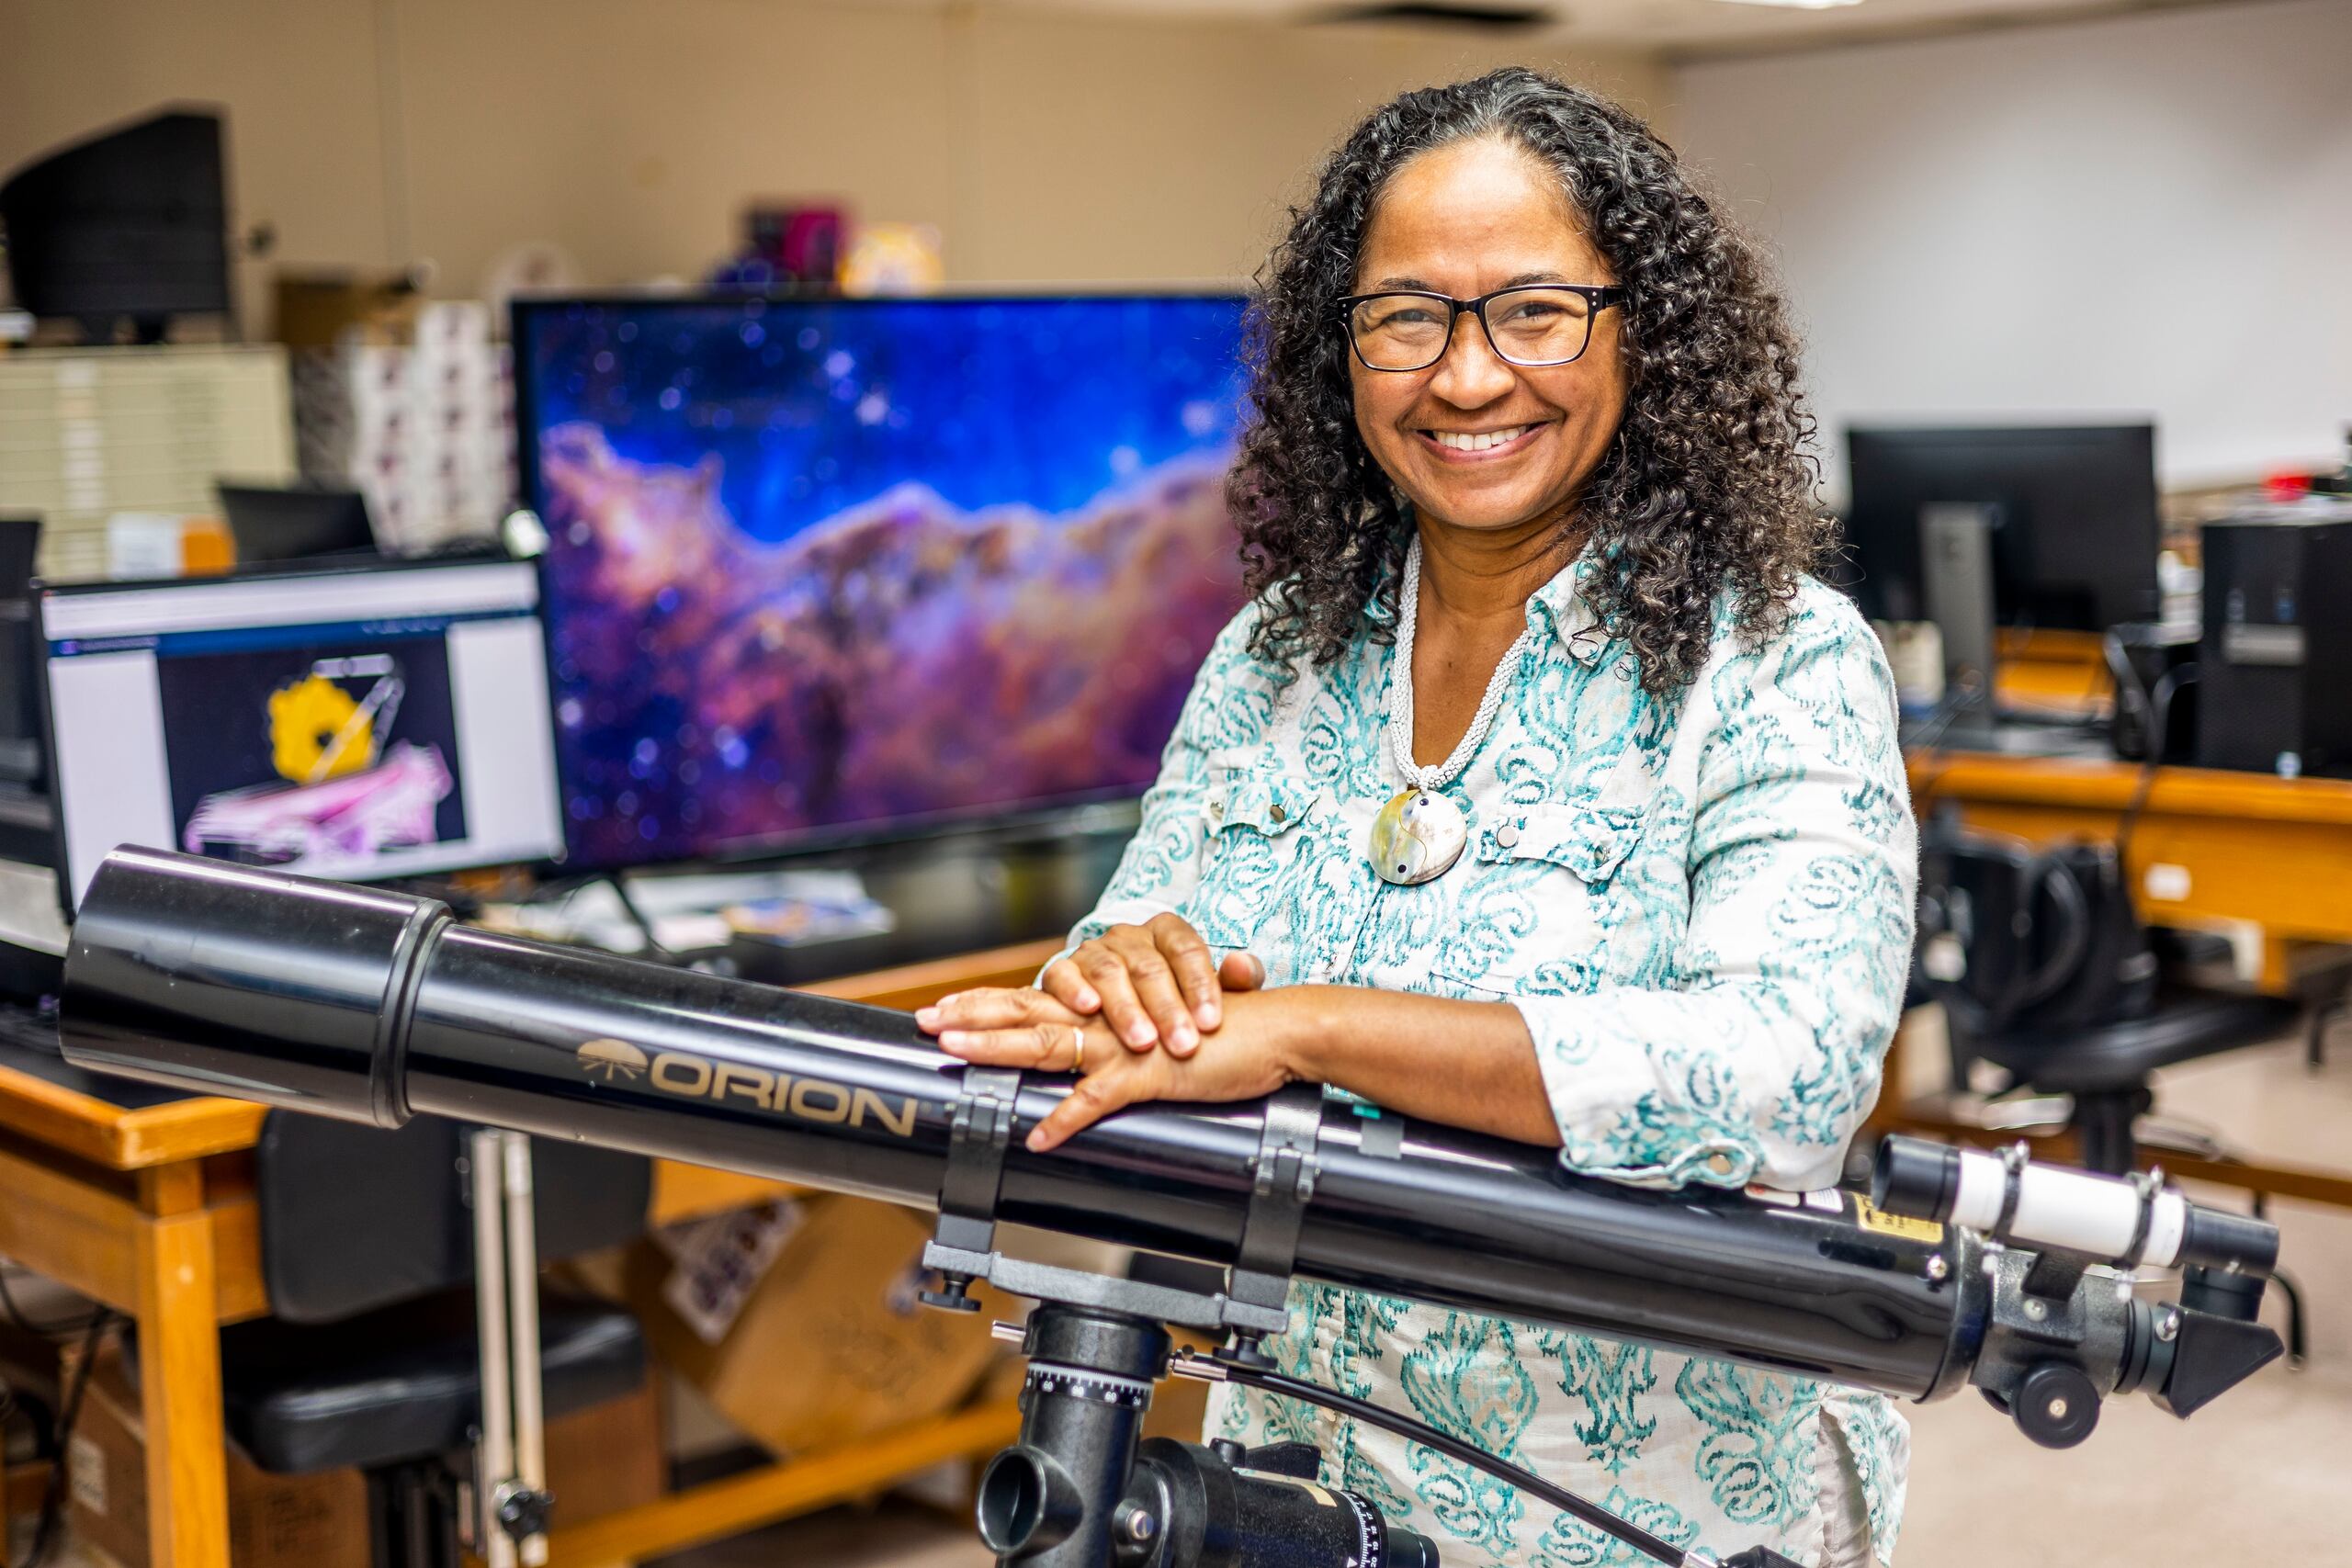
{"x": 390, "y": 719}
{"x": 824, "y": 570}
{"x": 20, "y": 760}
{"x": 132, "y": 221}
{"x": 273, "y": 523}
{"x": 2070, "y": 513}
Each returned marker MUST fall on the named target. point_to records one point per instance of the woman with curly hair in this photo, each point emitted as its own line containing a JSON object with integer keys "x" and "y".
{"x": 1539, "y": 790}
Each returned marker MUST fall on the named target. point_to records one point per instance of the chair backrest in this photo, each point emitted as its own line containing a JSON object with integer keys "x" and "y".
{"x": 19, "y": 546}
{"x": 355, "y": 1218}
{"x": 2013, "y": 938}
{"x": 295, "y": 521}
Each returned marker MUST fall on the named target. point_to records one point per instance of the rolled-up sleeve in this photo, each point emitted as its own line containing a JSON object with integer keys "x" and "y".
{"x": 1760, "y": 1056}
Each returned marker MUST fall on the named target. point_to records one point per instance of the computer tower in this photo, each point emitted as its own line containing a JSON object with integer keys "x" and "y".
{"x": 2276, "y": 657}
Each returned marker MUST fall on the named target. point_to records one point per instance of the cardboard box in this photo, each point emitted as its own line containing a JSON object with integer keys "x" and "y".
{"x": 321, "y": 309}
{"x": 275, "y": 1521}
{"x": 825, "y": 1343}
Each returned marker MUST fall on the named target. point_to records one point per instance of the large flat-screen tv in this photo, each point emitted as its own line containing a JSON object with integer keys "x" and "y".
{"x": 824, "y": 570}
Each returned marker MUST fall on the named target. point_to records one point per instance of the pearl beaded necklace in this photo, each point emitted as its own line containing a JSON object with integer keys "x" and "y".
{"x": 1420, "y": 834}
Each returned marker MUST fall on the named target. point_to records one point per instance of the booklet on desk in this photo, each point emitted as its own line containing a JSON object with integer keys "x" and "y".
{"x": 691, "y": 913}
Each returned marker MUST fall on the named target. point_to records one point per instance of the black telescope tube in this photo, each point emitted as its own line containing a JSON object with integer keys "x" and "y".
{"x": 376, "y": 1007}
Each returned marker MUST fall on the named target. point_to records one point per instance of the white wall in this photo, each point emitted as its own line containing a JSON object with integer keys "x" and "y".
{"x": 2150, "y": 214}
{"x": 632, "y": 132}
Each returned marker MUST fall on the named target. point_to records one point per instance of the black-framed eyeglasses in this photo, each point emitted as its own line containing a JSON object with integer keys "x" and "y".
{"x": 1540, "y": 323}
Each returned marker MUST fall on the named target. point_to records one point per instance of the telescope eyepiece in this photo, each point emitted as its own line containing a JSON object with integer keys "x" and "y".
{"x": 1916, "y": 1178}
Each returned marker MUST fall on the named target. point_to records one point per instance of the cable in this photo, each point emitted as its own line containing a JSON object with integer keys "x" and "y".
{"x": 561, "y": 893}
{"x": 653, "y": 948}
{"x": 2130, "y": 696}
{"x": 52, "y": 1499}
{"x": 2168, "y": 686}
{"x": 1955, "y": 701}
{"x": 1453, "y": 1448}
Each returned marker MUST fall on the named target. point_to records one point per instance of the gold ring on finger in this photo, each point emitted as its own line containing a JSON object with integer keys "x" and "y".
{"x": 1077, "y": 1055}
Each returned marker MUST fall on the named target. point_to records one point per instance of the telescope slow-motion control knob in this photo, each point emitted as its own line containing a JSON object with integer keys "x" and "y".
{"x": 2056, "y": 1405}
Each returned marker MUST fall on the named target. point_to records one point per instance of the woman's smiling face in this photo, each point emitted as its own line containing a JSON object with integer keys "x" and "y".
{"x": 1465, "y": 219}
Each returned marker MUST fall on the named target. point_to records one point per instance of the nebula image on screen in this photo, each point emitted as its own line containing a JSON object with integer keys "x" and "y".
{"x": 859, "y": 566}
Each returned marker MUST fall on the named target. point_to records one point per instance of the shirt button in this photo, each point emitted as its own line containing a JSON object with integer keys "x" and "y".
{"x": 1720, "y": 1163}
{"x": 1507, "y": 835}
{"x": 1280, "y": 814}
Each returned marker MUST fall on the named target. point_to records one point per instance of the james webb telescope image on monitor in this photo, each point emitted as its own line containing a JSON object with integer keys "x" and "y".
{"x": 848, "y": 568}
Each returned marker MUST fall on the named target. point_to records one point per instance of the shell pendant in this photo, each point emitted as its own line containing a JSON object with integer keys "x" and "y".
{"x": 1417, "y": 837}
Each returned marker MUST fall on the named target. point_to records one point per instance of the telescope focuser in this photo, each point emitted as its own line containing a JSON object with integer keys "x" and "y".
{"x": 2049, "y": 1331}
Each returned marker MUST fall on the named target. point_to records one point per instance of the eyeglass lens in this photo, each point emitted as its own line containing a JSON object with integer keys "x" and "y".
{"x": 1527, "y": 326}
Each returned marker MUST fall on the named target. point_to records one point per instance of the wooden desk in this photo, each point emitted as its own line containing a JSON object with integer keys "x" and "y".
{"x": 151, "y": 1211}
{"x": 2059, "y": 673}
{"x": 2210, "y": 850}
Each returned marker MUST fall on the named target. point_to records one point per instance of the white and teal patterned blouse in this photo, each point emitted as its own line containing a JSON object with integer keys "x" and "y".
{"x": 1701, "y": 904}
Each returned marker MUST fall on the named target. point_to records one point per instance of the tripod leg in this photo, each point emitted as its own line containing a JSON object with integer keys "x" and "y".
{"x": 494, "y": 1463}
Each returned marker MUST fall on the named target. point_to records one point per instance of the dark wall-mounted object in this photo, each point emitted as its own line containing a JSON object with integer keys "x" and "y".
{"x": 132, "y": 222}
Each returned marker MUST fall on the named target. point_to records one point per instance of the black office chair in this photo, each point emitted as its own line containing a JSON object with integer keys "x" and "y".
{"x": 2044, "y": 971}
{"x": 370, "y": 1357}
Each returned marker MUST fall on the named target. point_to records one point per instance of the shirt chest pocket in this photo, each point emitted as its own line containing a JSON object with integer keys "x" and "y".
{"x": 1543, "y": 905}
{"x": 1258, "y": 828}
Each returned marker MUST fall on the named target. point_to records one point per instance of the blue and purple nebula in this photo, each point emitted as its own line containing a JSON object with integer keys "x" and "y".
{"x": 869, "y": 565}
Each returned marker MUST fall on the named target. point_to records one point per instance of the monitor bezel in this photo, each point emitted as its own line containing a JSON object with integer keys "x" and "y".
{"x": 1921, "y": 435}
{"x": 40, "y": 590}
{"x": 1010, "y": 819}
